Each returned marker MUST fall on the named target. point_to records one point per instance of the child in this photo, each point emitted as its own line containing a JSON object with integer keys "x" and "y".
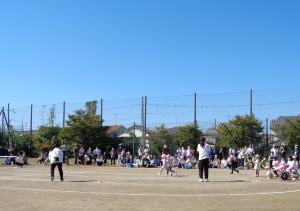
{"x": 269, "y": 173}
{"x": 257, "y": 165}
{"x": 19, "y": 161}
{"x": 170, "y": 166}
{"x": 233, "y": 163}
{"x": 164, "y": 159}
{"x": 292, "y": 164}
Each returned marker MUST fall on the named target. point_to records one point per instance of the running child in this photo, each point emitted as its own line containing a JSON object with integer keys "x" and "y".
{"x": 257, "y": 165}
{"x": 164, "y": 159}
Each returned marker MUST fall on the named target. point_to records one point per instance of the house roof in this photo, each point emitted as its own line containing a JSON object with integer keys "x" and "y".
{"x": 281, "y": 120}
{"x": 211, "y": 132}
{"x": 113, "y": 128}
{"x": 173, "y": 130}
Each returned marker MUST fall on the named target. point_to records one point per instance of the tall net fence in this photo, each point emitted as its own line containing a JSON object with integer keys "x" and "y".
{"x": 210, "y": 109}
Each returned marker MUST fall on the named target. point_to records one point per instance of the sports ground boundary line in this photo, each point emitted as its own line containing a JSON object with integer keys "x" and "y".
{"x": 152, "y": 194}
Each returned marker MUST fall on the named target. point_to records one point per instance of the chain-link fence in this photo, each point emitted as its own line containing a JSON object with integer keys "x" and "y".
{"x": 208, "y": 109}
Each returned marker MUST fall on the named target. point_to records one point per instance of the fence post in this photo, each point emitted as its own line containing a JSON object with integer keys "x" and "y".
{"x": 195, "y": 108}
{"x": 64, "y": 114}
{"x": 31, "y": 141}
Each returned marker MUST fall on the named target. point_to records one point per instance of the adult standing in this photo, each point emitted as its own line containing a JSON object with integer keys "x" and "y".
{"x": 297, "y": 153}
{"x": 203, "y": 150}
{"x": 76, "y": 153}
{"x": 56, "y": 159}
{"x": 112, "y": 156}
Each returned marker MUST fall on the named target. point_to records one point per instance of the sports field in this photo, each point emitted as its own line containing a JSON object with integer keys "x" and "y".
{"x": 115, "y": 188}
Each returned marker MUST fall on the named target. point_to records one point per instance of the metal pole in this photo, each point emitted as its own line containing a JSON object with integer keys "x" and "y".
{"x": 215, "y": 123}
{"x": 101, "y": 111}
{"x": 267, "y": 132}
{"x": 64, "y": 114}
{"x": 251, "y": 102}
{"x": 142, "y": 116}
{"x": 133, "y": 140}
{"x": 31, "y": 108}
{"x": 145, "y": 119}
{"x": 195, "y": 108}
{"x": 8, "y": 119}
{"x": 2, "y": 125}
{"x": 4, "y": 120}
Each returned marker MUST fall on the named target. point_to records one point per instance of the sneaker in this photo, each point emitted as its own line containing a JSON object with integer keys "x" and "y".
{"x": 200, "y": 180}
{"x": 52, "y": 179}
{"x": 61, "y": 180}
{"x": 206, "y": 180}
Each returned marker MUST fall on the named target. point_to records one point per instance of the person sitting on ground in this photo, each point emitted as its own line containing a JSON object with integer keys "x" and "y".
{"x": 270, "y": 172}
{"x": 224, "y": 163}
{"x": 292, "y": 164}
{"x": 216, "y": 162}
{"x": 264, "y": 163}
{"x": 280, "y": 168}
{"x": 42, "y": 158}
{"x": 249, "y": 163}
{"x": 19, "y": 161}
{"x": 188, "y": 163}
{"x": 181, "y": 163}
{"x": 145, "y": 161}
{"x": 99, "y": 160}
{"x": 87, "y": 160}
{"x": 6, "y": 161}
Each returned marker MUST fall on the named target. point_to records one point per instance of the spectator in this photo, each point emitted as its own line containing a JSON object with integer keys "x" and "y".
{"x": 112, "y": 156}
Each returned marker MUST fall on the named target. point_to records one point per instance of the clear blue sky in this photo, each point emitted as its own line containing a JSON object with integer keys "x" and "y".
{"x": 59, "y": 50}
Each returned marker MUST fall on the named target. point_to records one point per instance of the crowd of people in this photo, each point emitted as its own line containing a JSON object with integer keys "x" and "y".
{"x": 19, "y": 160}
{"x": 278, "y": 164}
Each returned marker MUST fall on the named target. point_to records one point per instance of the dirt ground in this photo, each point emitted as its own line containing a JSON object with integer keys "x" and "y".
{"x": 116, "y": 188}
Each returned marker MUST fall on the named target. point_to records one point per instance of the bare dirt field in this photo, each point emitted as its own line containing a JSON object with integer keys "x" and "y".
{"x": 115, "y": 188}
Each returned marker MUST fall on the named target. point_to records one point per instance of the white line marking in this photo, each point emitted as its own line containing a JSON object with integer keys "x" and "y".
{"x": 151, "y": 194}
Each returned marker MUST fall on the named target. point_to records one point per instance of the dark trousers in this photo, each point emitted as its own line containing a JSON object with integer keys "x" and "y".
{"x": 59, "y": 165}
{"x": 203, "y": 166}
{"x": 113, "y": 160}
{"x": 233, "y": 166}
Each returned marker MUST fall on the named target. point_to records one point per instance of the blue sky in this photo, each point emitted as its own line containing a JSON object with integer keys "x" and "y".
{"x": 54, "y": 51}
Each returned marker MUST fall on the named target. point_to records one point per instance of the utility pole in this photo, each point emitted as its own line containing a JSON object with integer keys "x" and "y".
{"x": 145, "y": 119}
{"x": 142, "y": 116}
{"x": 64, "y": 114}
{"x": 133, "y": 140}
{"x": 251, "y": 102}
{"x": 2, "y": 124}
{"x": 195, "y": 108}
{"x": 8, "y": 119}
{"x": 215, "y": 123}
{"x": 31, "y": 108}
{"x": 267, "y": 132}
{"x": 101, "y": 111}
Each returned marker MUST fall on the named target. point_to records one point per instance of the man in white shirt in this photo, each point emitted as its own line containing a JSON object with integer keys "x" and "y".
{"x": 56, "y": 159}
{"x": 203, "y": 150}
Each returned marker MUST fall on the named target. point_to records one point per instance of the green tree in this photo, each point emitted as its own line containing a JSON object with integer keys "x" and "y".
{"x": 158, "y": 138}
{"x": 240, "y": 131}
{"x": 187, "y": 136}
{"x": 21, "y": 142}
{"x": 291, "y": 132}
{"x": 84, "y": 128}
{"x": 46, "y": 136}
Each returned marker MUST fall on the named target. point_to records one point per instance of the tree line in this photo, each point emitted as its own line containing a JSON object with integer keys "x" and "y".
{"x": 84, "y": 128}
